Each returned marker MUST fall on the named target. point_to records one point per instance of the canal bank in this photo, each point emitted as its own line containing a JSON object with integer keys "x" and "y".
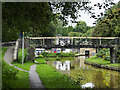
{"x": 100, "y": 63}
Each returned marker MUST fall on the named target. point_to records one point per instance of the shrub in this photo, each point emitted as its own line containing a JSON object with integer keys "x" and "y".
{"x": 118, "y": 54}
{"x": 61, "y": 54}
{"x": 20, "y": 55}
{"x": 51, "y": 54}
{"x": 8, "y": 75}
{"x": 45, "y": 54}
{"x": 104, "y": 53}
{"x": 57, "y": 58}
{"x": 48, "y": 59}
{"x": 40, "y": 56}
{"x": 100, "y": 53}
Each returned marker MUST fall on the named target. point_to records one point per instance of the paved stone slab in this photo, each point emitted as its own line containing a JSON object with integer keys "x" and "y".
{"x": 35, "y": 81}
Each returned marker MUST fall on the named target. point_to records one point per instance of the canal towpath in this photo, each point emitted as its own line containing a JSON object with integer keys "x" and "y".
{"x": 35, "y": 81}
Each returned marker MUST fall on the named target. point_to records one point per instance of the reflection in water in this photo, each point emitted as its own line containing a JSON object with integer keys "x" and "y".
{"x": 88, "y": 85}
{"x": 101, "y": 78}
{"x": 65, "y": 66}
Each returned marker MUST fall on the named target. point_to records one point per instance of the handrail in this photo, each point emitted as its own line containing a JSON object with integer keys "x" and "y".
{"x": 74, "y": 37}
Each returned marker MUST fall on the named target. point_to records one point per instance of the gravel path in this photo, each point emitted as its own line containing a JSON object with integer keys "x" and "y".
{"x": 35, "y": 81}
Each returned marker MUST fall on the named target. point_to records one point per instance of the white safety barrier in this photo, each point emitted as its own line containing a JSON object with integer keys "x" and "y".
{"x": 16, "y": 50}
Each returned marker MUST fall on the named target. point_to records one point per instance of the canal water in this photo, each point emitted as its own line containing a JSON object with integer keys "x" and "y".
{"x": 100, "y": 78}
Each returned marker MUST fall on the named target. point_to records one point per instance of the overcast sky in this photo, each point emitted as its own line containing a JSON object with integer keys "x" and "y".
{"x": 86, "y": 17}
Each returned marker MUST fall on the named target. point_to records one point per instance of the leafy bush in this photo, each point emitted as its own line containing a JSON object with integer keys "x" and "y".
{"x": 100, "y": 53}
{"x": 45, "y": 54}
{"x": 57, "y": 58}
{"x": 58, "y": 54}
{"x": 118, "y": 54}
{"x": 61, "y": 54}
{"x": 20, "y": 55}
{"x": 51, "y": 55}
{"x": 104, "y": 53}
{"x": 48, "y": 59}
{"x": 40, "y": 56}
{"x": 8, "y": 74}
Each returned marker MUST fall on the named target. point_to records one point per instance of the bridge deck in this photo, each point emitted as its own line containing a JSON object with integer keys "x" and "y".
{"x": 76, "y": 46}
{"x": 74, "y": 37}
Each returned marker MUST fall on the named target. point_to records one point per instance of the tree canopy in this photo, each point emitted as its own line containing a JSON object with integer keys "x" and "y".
{"x": 110, "y": 25}
{"x": 38, "y": 18}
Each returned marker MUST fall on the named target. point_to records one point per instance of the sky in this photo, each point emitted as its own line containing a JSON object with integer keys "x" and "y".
{"x": 86, "y": 17}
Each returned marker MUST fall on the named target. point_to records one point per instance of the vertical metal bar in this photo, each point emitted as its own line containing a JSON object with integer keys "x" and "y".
{"x": 23, "y": 49}
{"x": 70, "y": 41}
{"x": 73, "y": 41}
{"x": 100, "y": 41}
{"x": 43, "y": 41}
{"x": 96, "y": 41}
{"x": 59, "y": 42}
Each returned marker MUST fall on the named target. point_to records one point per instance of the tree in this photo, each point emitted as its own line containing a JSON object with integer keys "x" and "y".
{"x": 81, "y": 27}
{"x": 89, "y": 33}
{"x": 18, "y": 17}
{"x": 35, "y": 18}
{"x": 109, "y": 26}
{"x": 74, "y": 34}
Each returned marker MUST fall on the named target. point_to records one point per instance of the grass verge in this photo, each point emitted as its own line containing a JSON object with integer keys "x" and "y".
{"x": 40, "y": 60}
{"x": 97, "y": 60}
{"x": 62, "y": 59}
{"x": 22, "y": 80}
{"x": 11, "y": 77}
{"x": 26, "y": 66}
{"x": 51, "y": 78}
{"x": 4, "y": 49}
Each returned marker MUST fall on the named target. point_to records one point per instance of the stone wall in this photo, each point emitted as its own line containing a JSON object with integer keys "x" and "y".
{"x": 26, "y": 43}
{"x": 31, "y": 54}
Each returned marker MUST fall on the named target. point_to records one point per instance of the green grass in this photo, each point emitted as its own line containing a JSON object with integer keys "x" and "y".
{"x": 62, "y": 59}
{"x": 4, "y": 49}
{"x": 40, "y": 60}
{"x": 22, "y": 80}
{"x": 79, "y": 54}
{"x": 26, "y": 66}
{"x": 51, "y": 78}
{"x": 97, "y": 60}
